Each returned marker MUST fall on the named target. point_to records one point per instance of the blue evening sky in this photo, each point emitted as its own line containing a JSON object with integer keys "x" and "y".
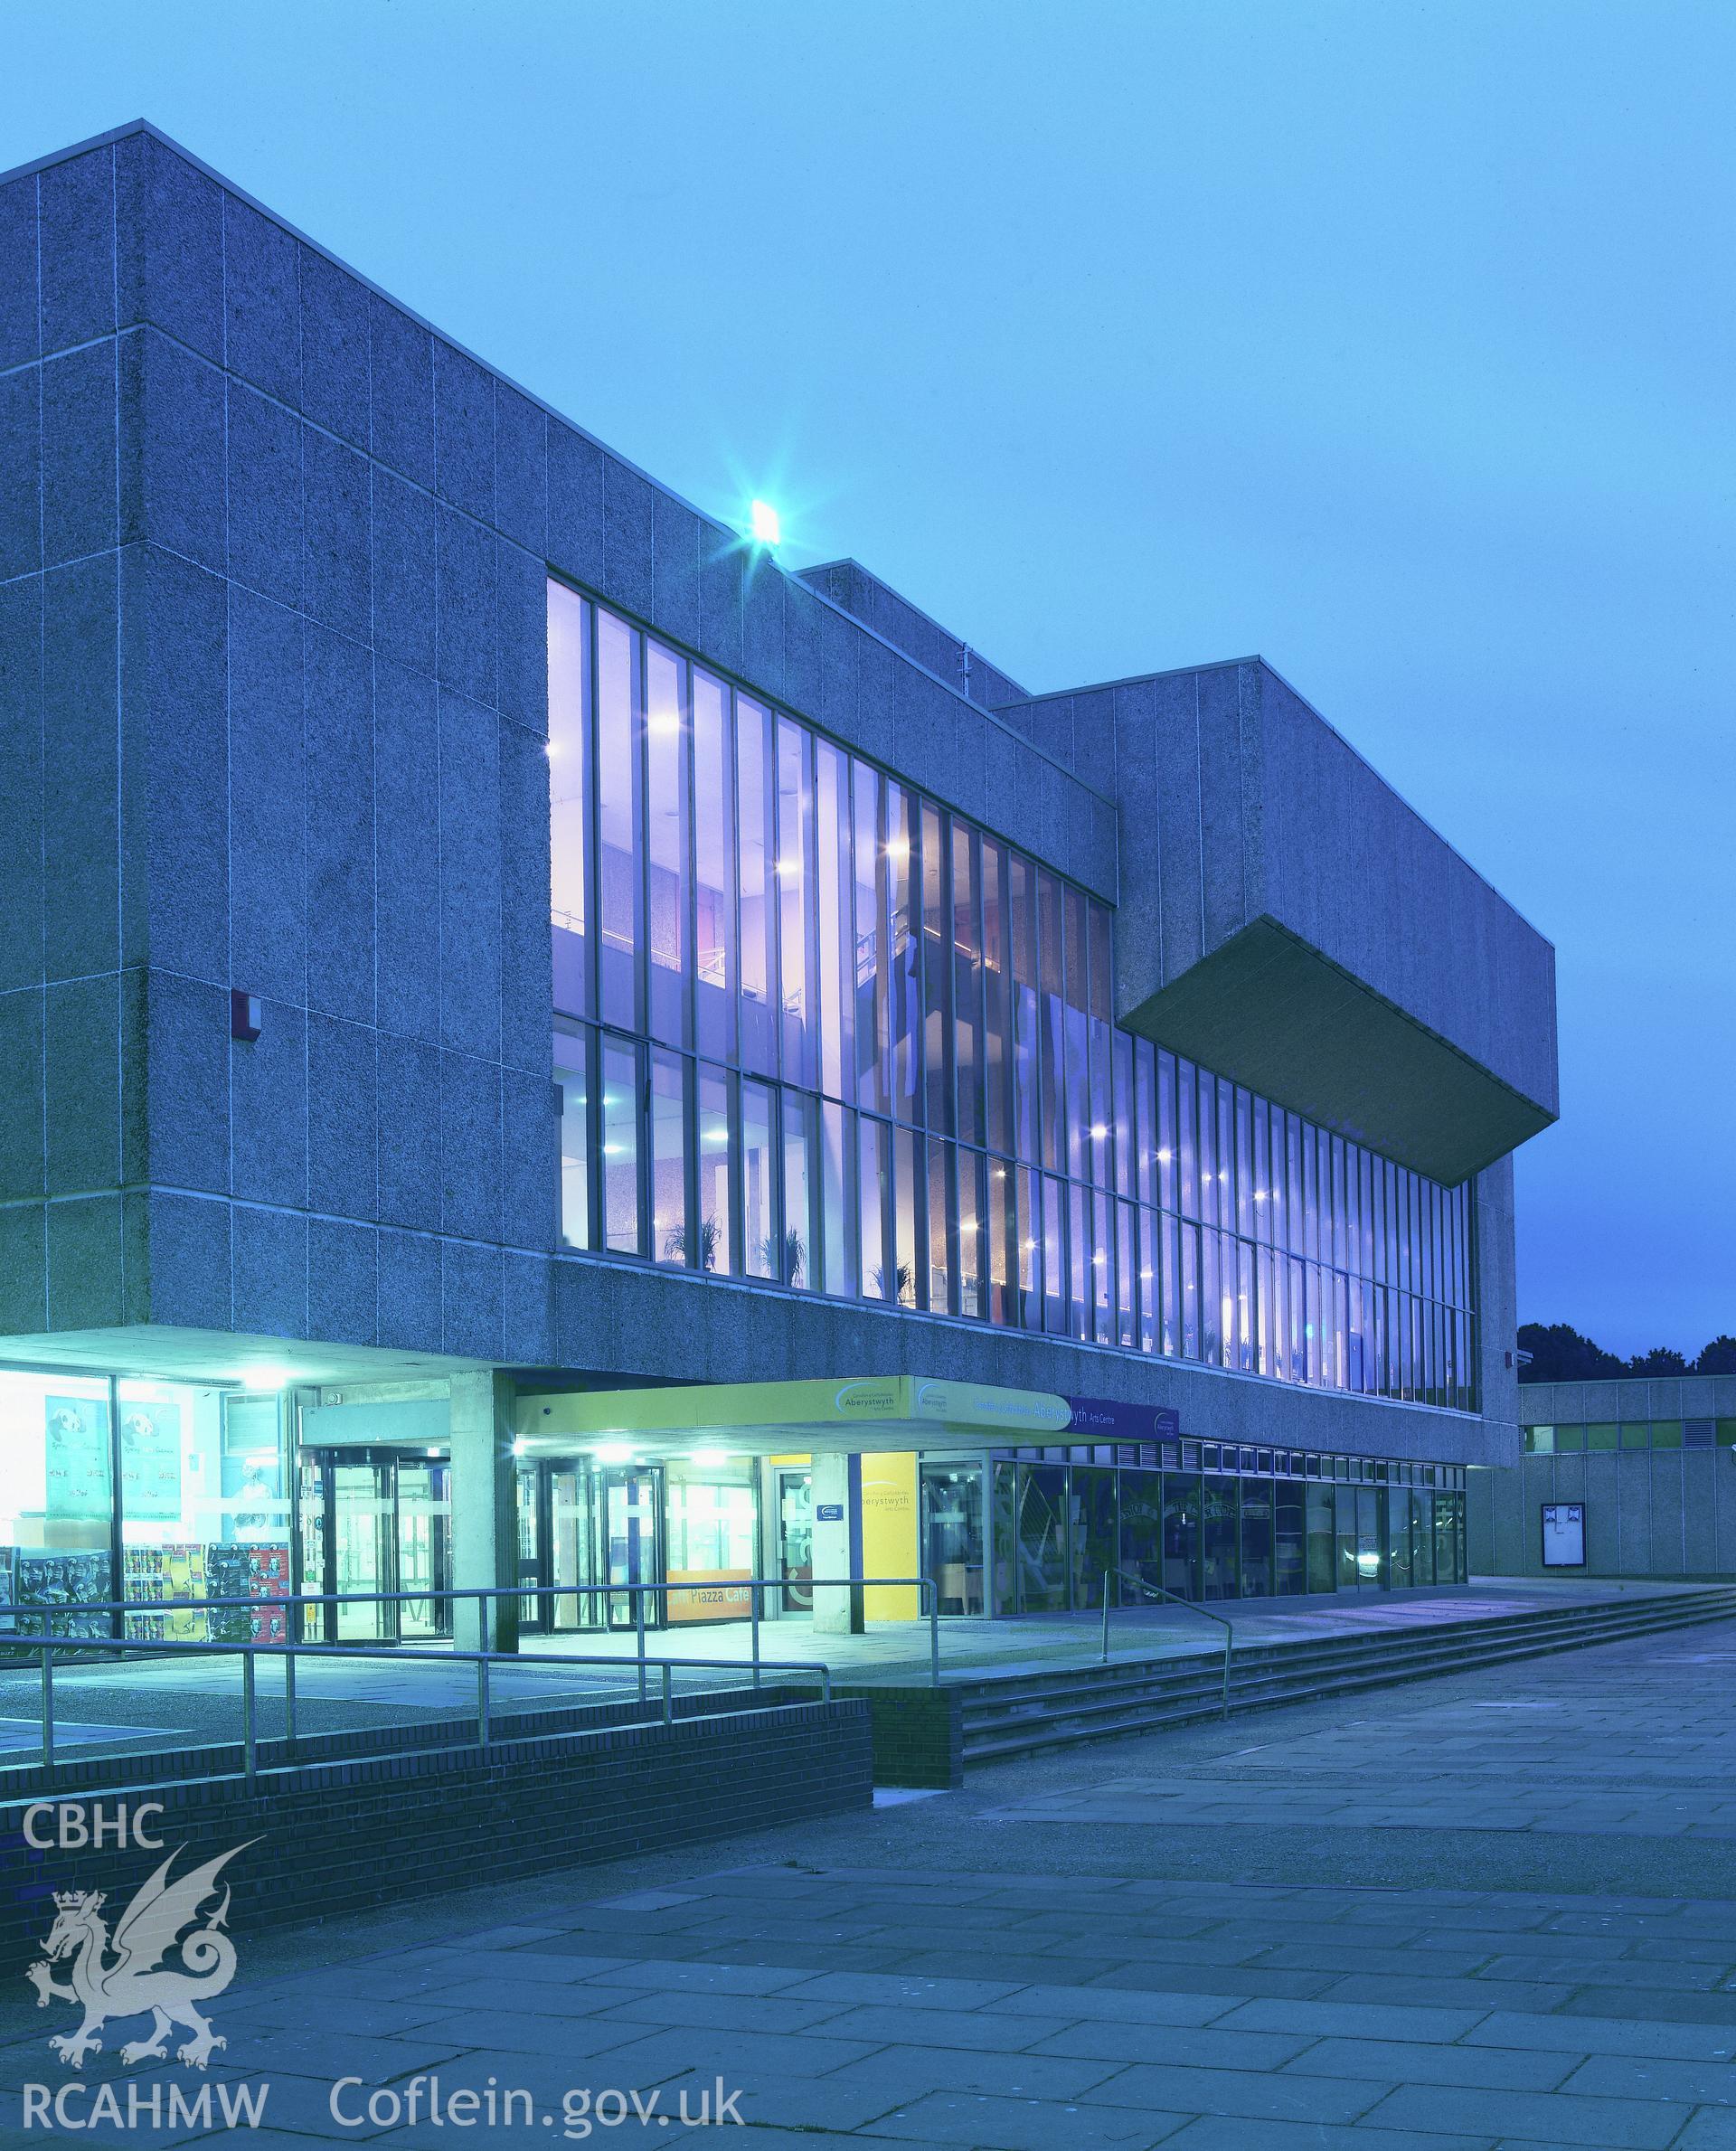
{"x": 1391, "y": 340}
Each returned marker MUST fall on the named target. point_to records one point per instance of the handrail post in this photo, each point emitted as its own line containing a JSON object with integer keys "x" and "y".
{"x": 1105, "y": 1617}
{"x": 669, "y": 1692}
{"x": 484, "y": 1726}
{"x": 638, "y": 1630}
{"x": 250, "y": 1730}
{"x": 47, "y": 1709}
{"x": 289, "y": 1702}
{"x": 753, "y": 1616}
{"x": 1229, "y": 1638}
{"x": 934, "y": 1631}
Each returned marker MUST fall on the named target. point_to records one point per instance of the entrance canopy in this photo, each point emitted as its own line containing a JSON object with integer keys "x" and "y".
{"x": 867, "y": 1413}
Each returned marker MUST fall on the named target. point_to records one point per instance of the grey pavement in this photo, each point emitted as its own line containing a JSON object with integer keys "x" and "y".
{"x": 164, "y": 1703}
{"x": 1491, "y": 1912}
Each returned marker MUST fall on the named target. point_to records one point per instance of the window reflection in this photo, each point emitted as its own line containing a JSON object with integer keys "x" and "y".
{"x": 838, "y": 1026}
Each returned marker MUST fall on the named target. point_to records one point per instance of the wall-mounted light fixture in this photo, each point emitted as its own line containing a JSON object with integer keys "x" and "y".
{"x": 243, "y": 1016}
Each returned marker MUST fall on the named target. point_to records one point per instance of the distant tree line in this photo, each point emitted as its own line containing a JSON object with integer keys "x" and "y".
{"x": 1559, "y": 1354}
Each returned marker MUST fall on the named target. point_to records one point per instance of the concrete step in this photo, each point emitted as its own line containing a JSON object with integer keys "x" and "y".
{"x": 1046, "y": 1710}
{"x": 1301, "y": 1662}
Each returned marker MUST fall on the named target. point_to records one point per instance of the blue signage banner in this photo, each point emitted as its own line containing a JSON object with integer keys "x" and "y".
{"x": 1108, "y": 1420}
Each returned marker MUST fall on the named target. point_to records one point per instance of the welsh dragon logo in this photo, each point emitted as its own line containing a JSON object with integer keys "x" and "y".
{"x": 135, "y": 1982}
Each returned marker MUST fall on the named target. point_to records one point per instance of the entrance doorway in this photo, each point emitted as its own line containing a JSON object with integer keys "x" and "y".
{"x": 556, "y": 1541}
{"x": 951, "y": 1499}
{"x": 796, "y": 1538}
{"x": 375, "y": 1521}
{"x": 632, "y": 1513}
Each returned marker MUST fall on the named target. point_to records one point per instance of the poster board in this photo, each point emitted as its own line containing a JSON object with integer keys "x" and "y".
{"x": 1563, "y": 1524}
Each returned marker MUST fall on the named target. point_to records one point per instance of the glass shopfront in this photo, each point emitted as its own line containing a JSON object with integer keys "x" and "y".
{"x": 170, "y": 1490}
{"x": 1256, "y": 1524}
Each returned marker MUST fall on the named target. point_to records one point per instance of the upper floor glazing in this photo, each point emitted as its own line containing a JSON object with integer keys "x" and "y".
{"x": 815, "y": 1030}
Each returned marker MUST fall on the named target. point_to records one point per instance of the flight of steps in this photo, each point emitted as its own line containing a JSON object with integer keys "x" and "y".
{"x": 1017, "y": 1713}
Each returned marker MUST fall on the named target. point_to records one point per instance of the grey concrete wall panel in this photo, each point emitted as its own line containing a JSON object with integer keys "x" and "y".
{"x": 1510, "y": 1527}
{"x": 20, "y": 254}
{"x": 86, "y": 1266}
{"x": 1495, "y": 1254}
{"x": 336, "y": 379}
{"x": 267, "y": 800}
{"x": 262, "y": 302}
{"x": 77, "y": 206}
{"x": 23, "y": 948}
{"x": 1575, "y": 1403}
{"x": 23, "y": 1153}
{"x": 264, "y": 489}
{"x": 1603, "y": 1511}
{"x": 337, "y": 699}
{"x": 79, "y": 454}
{"x": 20, "y": 473}
{"x": 343, "y": 1113}
{"x": 268, "y": 1103}
{"x": 403, "y": 546}
{"x": 521, "y": 470}
{"x": 82, "y": 801}
{"x": 1700, "y": 1470}
{"x": 1287, "y": 920}
{"x": 81, "y": 1084}
{"x": 24, "y": 1269}
{"x": 269, "y": 1269}
{"x": 342, "y": 1282}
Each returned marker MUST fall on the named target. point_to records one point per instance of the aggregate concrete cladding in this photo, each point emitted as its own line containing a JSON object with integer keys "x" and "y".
{"x": 1286, "y": 919}
{"x": 272, "y": 707}
{"x": 1500, "y": 1916}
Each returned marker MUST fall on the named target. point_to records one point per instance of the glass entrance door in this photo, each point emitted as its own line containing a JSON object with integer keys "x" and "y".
{"x": 632, "y": 1503}
{"x": 372, "y": 1523}
{"x": 424, "y": 1548}
{"x": 557, "y": 1547}
{"x": 952, "y": 1535}
{"x": 362, "y": 1549}
{"x": 796, "y": 1538}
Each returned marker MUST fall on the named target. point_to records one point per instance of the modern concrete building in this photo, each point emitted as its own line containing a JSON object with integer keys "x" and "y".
{"x": 1647, "y": 1464}
{"x": 538, "y": 1046}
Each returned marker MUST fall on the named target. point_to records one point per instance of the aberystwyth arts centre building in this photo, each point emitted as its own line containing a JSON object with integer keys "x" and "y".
{"x": 538, "y": 1047}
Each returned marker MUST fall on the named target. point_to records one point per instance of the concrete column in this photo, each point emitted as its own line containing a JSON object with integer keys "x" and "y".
{"x": 484, "y": 1521}
{"x": 839, "y": 1611}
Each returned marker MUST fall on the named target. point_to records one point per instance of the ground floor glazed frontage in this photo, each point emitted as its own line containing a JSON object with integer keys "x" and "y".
{"x": 131, "y": 1502}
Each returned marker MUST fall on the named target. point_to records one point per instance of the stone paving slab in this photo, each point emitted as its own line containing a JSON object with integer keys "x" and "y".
{"x": 974, "y": 1971}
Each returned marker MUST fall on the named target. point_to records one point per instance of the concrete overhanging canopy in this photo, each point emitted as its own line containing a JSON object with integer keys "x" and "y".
{"x": 1277, "y": 1015}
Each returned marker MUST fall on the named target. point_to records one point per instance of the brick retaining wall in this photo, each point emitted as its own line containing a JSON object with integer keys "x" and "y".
{"x": 343, "y": 1836}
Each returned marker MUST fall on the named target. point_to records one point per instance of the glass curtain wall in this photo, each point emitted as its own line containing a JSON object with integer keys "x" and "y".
{"x": 1230, "y": 1523}
{"x": 815, "y": 1030}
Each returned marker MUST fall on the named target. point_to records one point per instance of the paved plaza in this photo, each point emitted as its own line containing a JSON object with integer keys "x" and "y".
{"x": 1496, "y": 1910}
{"x": 165, "y": 1703}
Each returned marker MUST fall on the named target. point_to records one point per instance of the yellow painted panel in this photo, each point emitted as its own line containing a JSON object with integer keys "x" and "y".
{"x": 802, "y": 1457}
{"x": 888, "y": 1533}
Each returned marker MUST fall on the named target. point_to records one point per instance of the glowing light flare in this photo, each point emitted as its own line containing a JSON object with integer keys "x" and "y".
{"x": 762, "y": 522}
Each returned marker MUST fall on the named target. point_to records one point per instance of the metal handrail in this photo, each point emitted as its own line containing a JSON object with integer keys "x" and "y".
{"x": 251, "y": 1654}
{"x": 928, "y": 1604}
{"x": 1156, "y": 1590}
